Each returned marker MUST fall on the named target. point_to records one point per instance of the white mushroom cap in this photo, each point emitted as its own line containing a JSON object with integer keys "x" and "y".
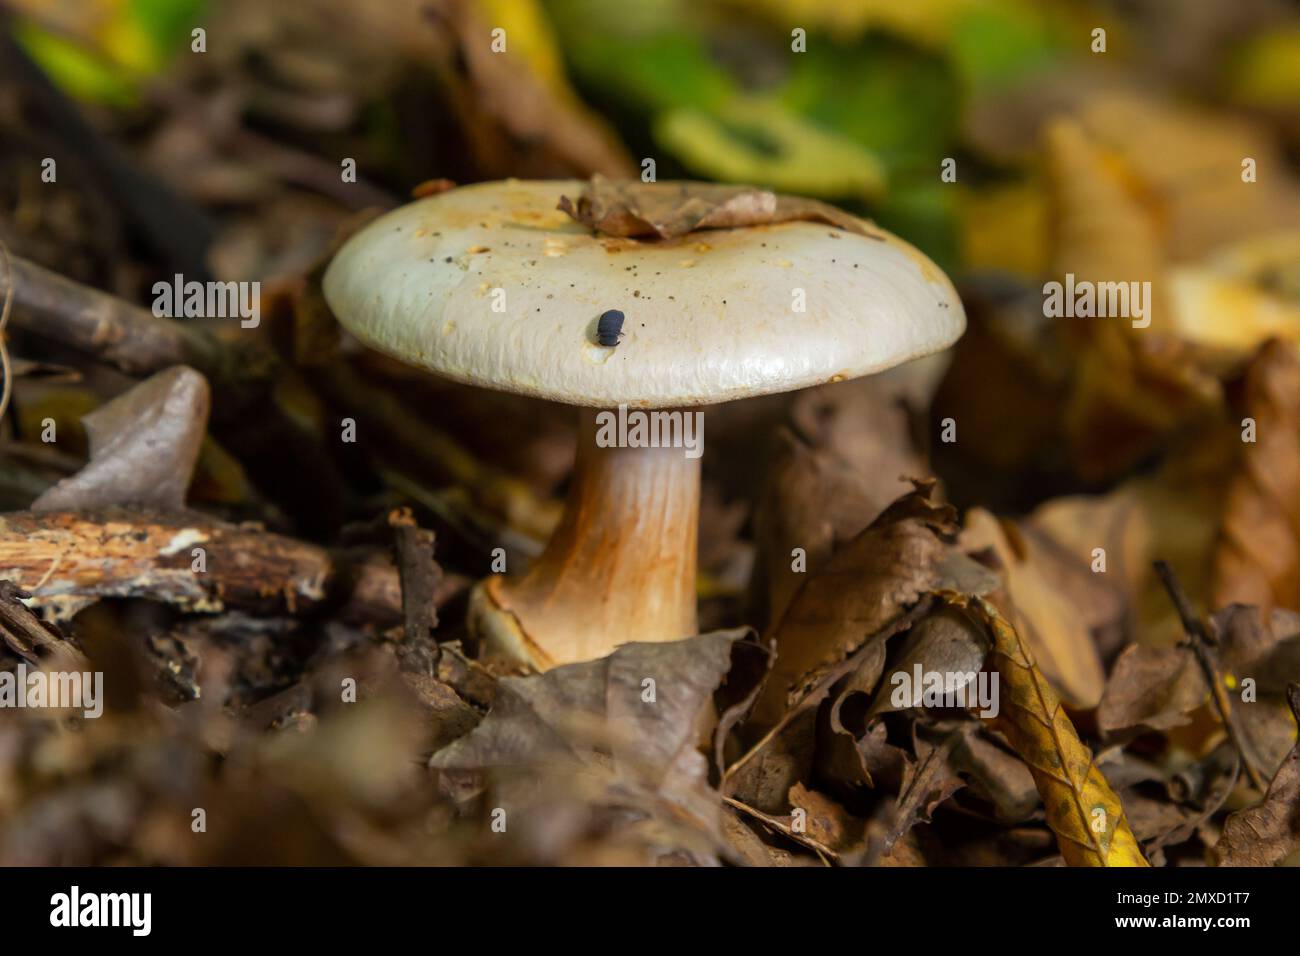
{"x": 710, "y": 316}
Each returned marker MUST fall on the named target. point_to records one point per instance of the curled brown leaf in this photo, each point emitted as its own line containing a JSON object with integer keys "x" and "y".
{"x": 637, "y": 210}
{"x": 1263, "y": 835}
{"x": 1257, "y": 556}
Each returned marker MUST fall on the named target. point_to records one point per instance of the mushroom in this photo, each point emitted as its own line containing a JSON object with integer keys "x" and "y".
{"x": 493, "y": 286}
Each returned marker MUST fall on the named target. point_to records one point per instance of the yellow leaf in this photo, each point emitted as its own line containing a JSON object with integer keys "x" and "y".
{"x": 1107, "y": 222}
{"x": 1188, "y": 160}
{"x": 1133, "y": 385}
{"x": 1172, "y": 514}
{"x": 802, "y": 158}
{"x": 1051, "y": 622}
{"x": 529, "y": 36}
{"x": 1242, "y": 296}
{"x": 1082, "y": 809}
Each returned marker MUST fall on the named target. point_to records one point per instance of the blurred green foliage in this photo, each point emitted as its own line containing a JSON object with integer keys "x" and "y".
{"x": 864, "y": 116}
{"x": 131, "y": 41}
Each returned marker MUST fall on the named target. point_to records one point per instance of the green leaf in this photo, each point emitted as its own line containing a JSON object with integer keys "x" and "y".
{"x": 994, "y": 46}
{"x": 79, "y": 72}
{"x": 900, "y": 102}
{"x": 646, "y": 63}
{"x": 757, "y": 142}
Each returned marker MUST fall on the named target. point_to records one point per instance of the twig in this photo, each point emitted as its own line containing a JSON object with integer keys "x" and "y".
{"x": 276, "y": 449}
{"x": 129, "y": 553}
{"x": 419, "y": 575}
{"x": 1202, "y": 643}
{"x": 24, "y": 633}
{"x": 291, "y": 165}
{"x": 827, "y": 855}
{"x": 104, "y": 326}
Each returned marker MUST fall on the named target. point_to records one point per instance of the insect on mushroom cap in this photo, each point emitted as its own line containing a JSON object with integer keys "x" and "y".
{"x": 492, "y": 285}
{"x": 609, "y": 328}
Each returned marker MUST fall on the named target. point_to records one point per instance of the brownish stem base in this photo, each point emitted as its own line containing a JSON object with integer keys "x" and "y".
{"x": 620, "y": 566}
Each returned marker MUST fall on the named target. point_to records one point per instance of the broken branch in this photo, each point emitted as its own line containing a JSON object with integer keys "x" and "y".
{"x": 70, "y": 559}
{"x": 1202, "y": 643}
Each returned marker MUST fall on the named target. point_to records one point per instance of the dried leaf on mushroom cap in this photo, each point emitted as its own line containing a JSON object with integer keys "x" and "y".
{"x": 665, "y": 210}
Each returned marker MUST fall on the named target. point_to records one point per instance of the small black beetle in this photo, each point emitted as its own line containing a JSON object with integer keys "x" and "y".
{"x": 609, "y": 328}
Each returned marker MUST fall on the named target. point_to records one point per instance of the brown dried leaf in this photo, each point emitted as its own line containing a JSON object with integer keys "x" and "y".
{"x": 861, "y": 589}
{"x": 1257, "y": 558}
{"x": 517, "y": 120}
{"x": 1171, "y": 515}
{"x": 1174, "y": 147}
{"x": 848, "y": 454}
{"x": 1164, "y": 688}
{"x": 143, "y": 446}
{"x": 1187, "y": 806}
{"x": 1152, "y": 688}
{"x": 996, "y": 775}
{"x": 447, "y": 716}
{"x": 812, "y": 501}
{"x": 784, "y": 756}
{"x": 1264, "y": 649}
{"x": 827, "y": 821}
{"x": 1265, "y": 834}
{"x": 1201, "y": 211}
{"x": 763, "y": 776}
{"x": 848, "y": 752}
{"x": 946, "y": 642}
{"x": 636, "y": 210}
{"x": 593, "y": 720}
{"x": 926, "y": 784}
{"x": 1051, "y": 621}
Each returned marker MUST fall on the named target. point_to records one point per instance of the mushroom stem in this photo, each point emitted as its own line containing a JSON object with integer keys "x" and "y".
{"x": 620, "y": 566}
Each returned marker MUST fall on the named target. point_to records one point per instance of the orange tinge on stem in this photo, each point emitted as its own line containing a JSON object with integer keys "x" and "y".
{"x": 620, "y": 566}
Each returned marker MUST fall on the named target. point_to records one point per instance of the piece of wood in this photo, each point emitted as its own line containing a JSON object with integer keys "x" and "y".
{"x": 419, "y": 575}
{"x": 25, "y": 634}
{"x": 93, "y": 322}
{"x": 1204, "y": 646}
{"x": 69, "y": 559}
